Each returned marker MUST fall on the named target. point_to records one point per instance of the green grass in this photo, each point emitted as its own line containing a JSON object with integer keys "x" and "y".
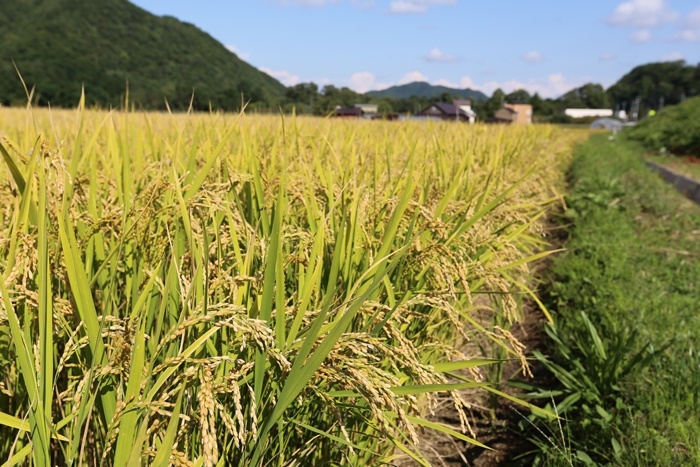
{"x": 690, "y": 167}
{"x": 626, "y": 299}
{"x": 675, "y": 129}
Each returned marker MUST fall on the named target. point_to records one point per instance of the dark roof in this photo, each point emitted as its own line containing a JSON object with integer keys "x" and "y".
{"x": 509, "y": 109}
{"x": 508, "y": 118}
{"x": 459, "y": 102}
{"x": 447, "y": 109}
{"x": 348, "y": 112}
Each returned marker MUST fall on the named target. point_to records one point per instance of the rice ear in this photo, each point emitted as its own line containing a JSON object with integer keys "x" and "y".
{"x": 219, "y": 289}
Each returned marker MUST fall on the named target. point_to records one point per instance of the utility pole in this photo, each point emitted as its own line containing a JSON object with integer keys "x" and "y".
{"x": 635, "y": 109}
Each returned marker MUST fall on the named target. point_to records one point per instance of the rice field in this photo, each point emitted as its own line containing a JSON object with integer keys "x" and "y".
{"x": 217, "y": 289}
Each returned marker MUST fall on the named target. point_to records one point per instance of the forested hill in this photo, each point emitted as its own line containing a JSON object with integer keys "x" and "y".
{"x": 423, "y": 89}
{"x": 657, "y": 84}
{"x": 58, "y": 45}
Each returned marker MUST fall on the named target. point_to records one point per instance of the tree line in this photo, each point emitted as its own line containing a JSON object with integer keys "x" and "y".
{"x": 646, "y": 87}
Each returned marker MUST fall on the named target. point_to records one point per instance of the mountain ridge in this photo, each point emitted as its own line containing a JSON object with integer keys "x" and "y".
{"x": 424, "y": 89}
{"x": 61, "y": 45}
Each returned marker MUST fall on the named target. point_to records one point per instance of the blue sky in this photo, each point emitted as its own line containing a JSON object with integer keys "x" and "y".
{"x": 544, "y": 46}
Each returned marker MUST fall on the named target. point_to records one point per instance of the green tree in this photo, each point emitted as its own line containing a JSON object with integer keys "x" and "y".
{"x": 61, "y": 45}
{"x": 385, "y": 107}
{"x": 495, "y": 102}
{"x": 519, "y": 96}
{"x": 446, "y": 97}
{"x": 588, "y": 96}
{"x": 656, "y": 84}
{"x": 302, "y": 97}
{"x": 536, "y": 102}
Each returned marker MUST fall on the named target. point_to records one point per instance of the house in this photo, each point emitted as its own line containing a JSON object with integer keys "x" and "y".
{"x": 585, "y": 113}
{"x": 514, "y": 113}
{"x": 504, "y": 115}
{"x": 357, "y": 111}
{"x": 523, "y": 112}
{"x": 368, "y": 109}
{"x": 348, "y": 112}
{"x": 466, "y": 106}
{"x": 445, "y": 111}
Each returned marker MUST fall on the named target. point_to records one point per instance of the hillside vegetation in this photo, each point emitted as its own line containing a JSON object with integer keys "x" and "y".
{"x": 61, "y": 45}
{"x": 675, "y": 129}
{"x": 657, "y": 84}
{"x": 423, "y": 89}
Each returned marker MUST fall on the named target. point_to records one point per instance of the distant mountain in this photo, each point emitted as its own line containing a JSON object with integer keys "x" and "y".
{"x": 423, "y": 89}
{"x": 59, "y": 45}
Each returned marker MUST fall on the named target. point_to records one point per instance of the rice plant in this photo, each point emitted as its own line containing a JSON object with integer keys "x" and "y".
{"x": 216, "y": 289}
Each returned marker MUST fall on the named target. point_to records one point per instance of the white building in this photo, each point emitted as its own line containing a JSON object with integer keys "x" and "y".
{"x": 466, "y": 106}
{"x": 583, "y": 113}
{"x": 367, "y": 108}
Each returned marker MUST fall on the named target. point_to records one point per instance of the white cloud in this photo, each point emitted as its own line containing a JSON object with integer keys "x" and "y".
{"x": 642, "y": 13}
{"x": 490, "y": 86}
{"x": 362, "y": 4}
{"x": 687, "y": 35}
{"x": 694, "y": 18}
{"x": 437, "y": 55}
{"x": 446, "y": 83}
{"x": 557, "y": 85}
{"x": 641, "y": 36}
{"x": 412, "y": 76}
{"x": 362, "y": 81}
{"x": 401, "y": 7}
{"x": 532, "y": 56}
{"x": 242, "y": 55}
{"x": 466, "y": 82}
{"x": 379, "y": 85}
{"x": 284, "y": 77}
{"x": 691, "y": 29}
{"x": 672, "y": 57}
{"x": 554, "y": 86}
{"x": 607, "y": 56}
{"x": 315, "y": 3}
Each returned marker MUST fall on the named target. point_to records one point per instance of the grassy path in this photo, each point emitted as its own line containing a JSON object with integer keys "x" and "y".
{"x": 627, "y": 300}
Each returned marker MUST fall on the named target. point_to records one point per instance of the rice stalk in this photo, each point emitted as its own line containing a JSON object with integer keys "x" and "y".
{"x": 207, "y": 289}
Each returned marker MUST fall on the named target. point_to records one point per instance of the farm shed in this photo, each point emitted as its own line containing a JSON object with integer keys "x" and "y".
{"x": 445, "y": 111}
{"x": 348, "y": 112}
{"x": 504, "y": 115}
{"x": 523, "y": 112}
{"x": 583, "y": 113}
{"x": 513, "y": 113}
{"x": 367, "y": 108}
